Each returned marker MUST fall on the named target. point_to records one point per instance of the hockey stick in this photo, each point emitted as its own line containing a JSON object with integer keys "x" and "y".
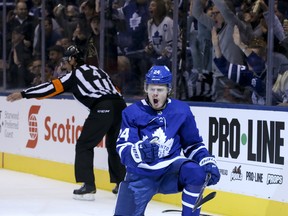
{"x": 204, "y": 200}
{"x": 199, "y": 202}
{"x": 171, "y": 210}
{"x": 197, "y": 205}
{"x": 199, "y": 198}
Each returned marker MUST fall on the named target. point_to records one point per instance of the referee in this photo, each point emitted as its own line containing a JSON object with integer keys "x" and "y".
{"x": 93, "y": 88}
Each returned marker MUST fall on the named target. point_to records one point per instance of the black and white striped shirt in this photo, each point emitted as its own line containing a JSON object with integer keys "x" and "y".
{"x": 88, "y": 84}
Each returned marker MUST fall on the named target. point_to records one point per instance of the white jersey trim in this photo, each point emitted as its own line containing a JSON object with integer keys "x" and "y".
{"x": 159, "y": 165}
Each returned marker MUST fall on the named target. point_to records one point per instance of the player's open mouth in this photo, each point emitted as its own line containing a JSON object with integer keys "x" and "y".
{"x": 155, "y": 101}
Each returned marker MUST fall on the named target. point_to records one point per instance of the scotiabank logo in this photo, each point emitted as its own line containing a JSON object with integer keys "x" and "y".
{"x": 33, "y": 127}
{"x": 55, "y": 129}
{"x": 62, "y": 132}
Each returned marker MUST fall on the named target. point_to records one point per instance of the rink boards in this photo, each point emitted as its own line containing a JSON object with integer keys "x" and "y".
{"x": 250, "y": 145}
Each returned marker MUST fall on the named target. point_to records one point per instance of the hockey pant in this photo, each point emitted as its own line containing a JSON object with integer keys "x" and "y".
{"x": 136, "y": 191}
{"x": 104, "y": 119}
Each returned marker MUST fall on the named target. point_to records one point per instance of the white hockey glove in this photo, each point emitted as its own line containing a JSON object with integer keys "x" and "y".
{"x": 210, "y": 166}
{"x": 145, "y": 151}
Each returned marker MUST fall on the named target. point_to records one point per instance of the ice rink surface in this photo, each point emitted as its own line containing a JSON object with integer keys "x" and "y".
{"x": 24, "y": 194}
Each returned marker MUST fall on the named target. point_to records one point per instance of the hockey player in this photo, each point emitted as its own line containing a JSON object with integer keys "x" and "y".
{"x": 162, "y": 150}
{"x": 93, "y": 88}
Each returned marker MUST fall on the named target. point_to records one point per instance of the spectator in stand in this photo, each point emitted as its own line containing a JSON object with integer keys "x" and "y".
{"x": 87, "y": 11}
{"x": 223, "y": 17}
{"x": 280, "y": 61}
{"x": 55, "y": 55}
{"x": 110, "y": 49}
{"x": 56, "y": 28}
{"x": 199, "y": 38}
{"x": 199, "y": 74}
{"x": 259, "y": 22}
{"x": 67, "y": 17}
{"x": 83, "y": 30}
{"x": 18, "y": 59}
{"x": 49, "y": 6}
{"x": 21, "y": 18}
{"x": 55, "y": 59}
{"x": 280, "y": 89}
{"x": 132, "y": 39}
{"x": 51, "y": 37}
{"x": 93, "y": 45}
{"x": 36, "y": 71}
{"x": 35, "y": 10}
{"x": 280, "y": 39}
{"x": 160, "y": 34}
{"x": 252, "y": 72}
{"x": 80, "y": 36}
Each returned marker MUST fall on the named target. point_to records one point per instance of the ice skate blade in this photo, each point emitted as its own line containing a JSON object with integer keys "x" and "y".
{"x": 84, "y": 197}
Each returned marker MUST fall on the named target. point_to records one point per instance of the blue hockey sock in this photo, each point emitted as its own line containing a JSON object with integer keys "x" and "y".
{"x": 189, "y": 197}
{"x": 192, "y": 177}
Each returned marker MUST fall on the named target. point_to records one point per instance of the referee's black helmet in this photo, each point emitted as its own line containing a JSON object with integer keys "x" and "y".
{"x": 73, "y": 51}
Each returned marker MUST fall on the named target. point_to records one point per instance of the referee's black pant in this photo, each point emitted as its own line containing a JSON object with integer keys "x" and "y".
{"x": 104, "y": 119}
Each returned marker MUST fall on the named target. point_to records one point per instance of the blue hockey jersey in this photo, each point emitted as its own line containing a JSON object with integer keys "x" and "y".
{"x": 134, "y": 37}
{"x": 175, "y": 127}
{"x": 243, "y": 75}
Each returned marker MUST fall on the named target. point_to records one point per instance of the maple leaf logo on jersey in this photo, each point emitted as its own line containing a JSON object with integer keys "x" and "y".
{"x": 164, "y": 146}
{"x": 134, "y": 21}
{"x": 157, "y": 39}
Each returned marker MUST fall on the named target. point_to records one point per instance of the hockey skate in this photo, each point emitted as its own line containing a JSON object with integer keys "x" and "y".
{"x": 85, "y": 192}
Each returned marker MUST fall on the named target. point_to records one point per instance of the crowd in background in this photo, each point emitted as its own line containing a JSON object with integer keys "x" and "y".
{"x": 221, "y": 44}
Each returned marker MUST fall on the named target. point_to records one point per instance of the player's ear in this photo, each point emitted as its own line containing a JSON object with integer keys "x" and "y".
{"x": 169, "y": 91}
{"x": 145, "y": 87}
